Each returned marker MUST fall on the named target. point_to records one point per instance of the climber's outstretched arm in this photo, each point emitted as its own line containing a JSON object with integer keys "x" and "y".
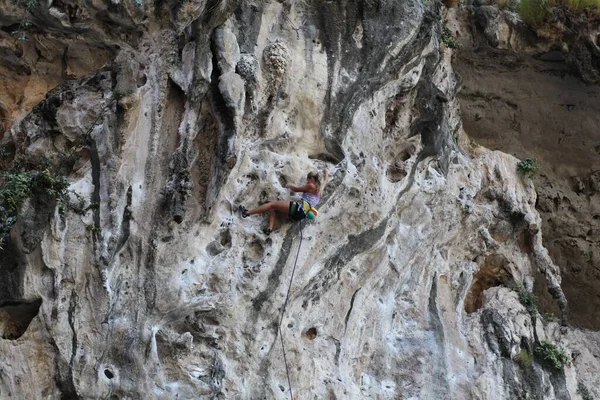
{"x": 325, "y": 180}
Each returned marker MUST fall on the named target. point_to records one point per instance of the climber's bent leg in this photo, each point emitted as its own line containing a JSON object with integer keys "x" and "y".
{"x": 280, "y": 206}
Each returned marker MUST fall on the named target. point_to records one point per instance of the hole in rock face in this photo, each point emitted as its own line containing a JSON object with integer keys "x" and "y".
{"x": 141, "y": 79}
{"x": 108, "y": 373}
{"x": 492, "y": 272}
{"x": 395, "y": 173}
{"x": 226, "y": 238}
{"x": 254, "y": 251}
{"x": 310, "y": 333}
{"x": 15, "y": 317}
{"x": 220, "y": 244}
{"x": 325, "y": 157}
{"x": 283, "y": 180}
{"x": 406, "y": 154}
{"x": 525, "y": 241}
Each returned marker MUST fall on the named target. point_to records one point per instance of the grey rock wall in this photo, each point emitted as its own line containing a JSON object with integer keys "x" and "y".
{"x": 402, "y": 286}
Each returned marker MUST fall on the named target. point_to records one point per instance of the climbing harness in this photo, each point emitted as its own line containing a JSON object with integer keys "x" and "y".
{"x": 287, "y": 296}
{"x": 310, "y": 212}
{"x": 302, "y": 209}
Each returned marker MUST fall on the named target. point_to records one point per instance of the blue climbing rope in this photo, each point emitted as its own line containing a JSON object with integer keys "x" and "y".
{"x": 287, "y": 296}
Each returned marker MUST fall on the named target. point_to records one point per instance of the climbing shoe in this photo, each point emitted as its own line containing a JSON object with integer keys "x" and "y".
{"x": 267, "y": 231}
{"x": 243, "y": 211}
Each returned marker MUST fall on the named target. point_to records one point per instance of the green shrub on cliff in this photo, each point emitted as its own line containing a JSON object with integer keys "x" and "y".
{"x": 528, "y": 166}
{"x": 552, "y": 356}
{"x": 16, "y": 186}
{"x": 528, "y": 299}
{"x": 19, "y": 183}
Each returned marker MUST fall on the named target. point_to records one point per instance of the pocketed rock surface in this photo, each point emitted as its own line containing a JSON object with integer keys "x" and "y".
{"x": 403, "y": 287}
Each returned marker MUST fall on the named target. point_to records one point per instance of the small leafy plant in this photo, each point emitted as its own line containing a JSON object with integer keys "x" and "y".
{"x": 41, "y": 182}
{"x": 528, "y": 299}
{"x": 528, "y": 166}
{"x": 448, "y": 39}
{"x": 551, "y": 355}
{"x": 524, "y": 359}
{"x": 25, "y": 23}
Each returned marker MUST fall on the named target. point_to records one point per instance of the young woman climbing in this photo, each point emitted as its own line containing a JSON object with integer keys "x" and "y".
{"x": 296, "y": 210}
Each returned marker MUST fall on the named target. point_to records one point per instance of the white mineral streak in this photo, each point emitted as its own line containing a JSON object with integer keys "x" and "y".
{"x": 377, "y": 305}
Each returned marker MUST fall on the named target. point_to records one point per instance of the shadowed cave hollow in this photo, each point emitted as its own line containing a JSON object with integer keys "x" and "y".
{"x": 492, "y": 272}
{"x": 15, "y": 317}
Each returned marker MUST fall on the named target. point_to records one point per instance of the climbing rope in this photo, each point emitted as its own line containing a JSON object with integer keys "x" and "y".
{"x": 287, "y": 296}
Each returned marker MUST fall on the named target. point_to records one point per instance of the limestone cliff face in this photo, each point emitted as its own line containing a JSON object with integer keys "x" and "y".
{"x": 526, "y": 96}
{"x": 402, "y": 287}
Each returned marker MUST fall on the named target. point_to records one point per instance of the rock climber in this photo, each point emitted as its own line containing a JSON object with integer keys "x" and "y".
{"x": 296, "y": 210}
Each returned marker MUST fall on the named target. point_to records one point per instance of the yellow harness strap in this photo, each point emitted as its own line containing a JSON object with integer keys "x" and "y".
{"x": 307, "y": 207}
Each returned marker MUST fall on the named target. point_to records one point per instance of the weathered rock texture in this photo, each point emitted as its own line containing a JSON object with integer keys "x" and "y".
{"x": 521, "y": 96}
{"x": 402, "y": 285}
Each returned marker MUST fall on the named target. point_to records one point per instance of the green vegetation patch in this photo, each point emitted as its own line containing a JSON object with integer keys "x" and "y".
{"x": 528, "y": 166}
{"x": 528, "y": 299}
{"x": 43, "y": 181}
{"x": 552, "y": 356}
{"x": 524, "y": 359}
{"x": 448, "y": 39}
{"x": 537, "y": 12}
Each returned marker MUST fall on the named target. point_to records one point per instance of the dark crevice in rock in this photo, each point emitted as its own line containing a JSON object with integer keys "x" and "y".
{"x": 431, "y": 125}
{"x": 523, "y": 382}
{"x": 12, "y": 270}
{"x": 366, "y": 62}
{"x": 217, "y": 374}
{"x": 213, "y": 143}
{"x": 249, "y": 16}
{"x": 275, "y": 275}
{"x": 350, "y": 310}
{"x": 64, "y": 384}
{"x": 125, "y": 223}
{"x": 71, "y": 319}
{"x": 96, "y": 169}
{"x": 559, "y": 384}
{"x": 330, "y": 272}
{"x": 150, "y": 272}
{"x": 440, "y": 380}
{"x": 15, "y": 317}
{"x": 178, "y": 184}
{"x": 495, "y": 335}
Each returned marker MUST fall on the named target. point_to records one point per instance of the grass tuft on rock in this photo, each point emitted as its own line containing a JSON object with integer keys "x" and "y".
{"x": 524, "y": 359}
